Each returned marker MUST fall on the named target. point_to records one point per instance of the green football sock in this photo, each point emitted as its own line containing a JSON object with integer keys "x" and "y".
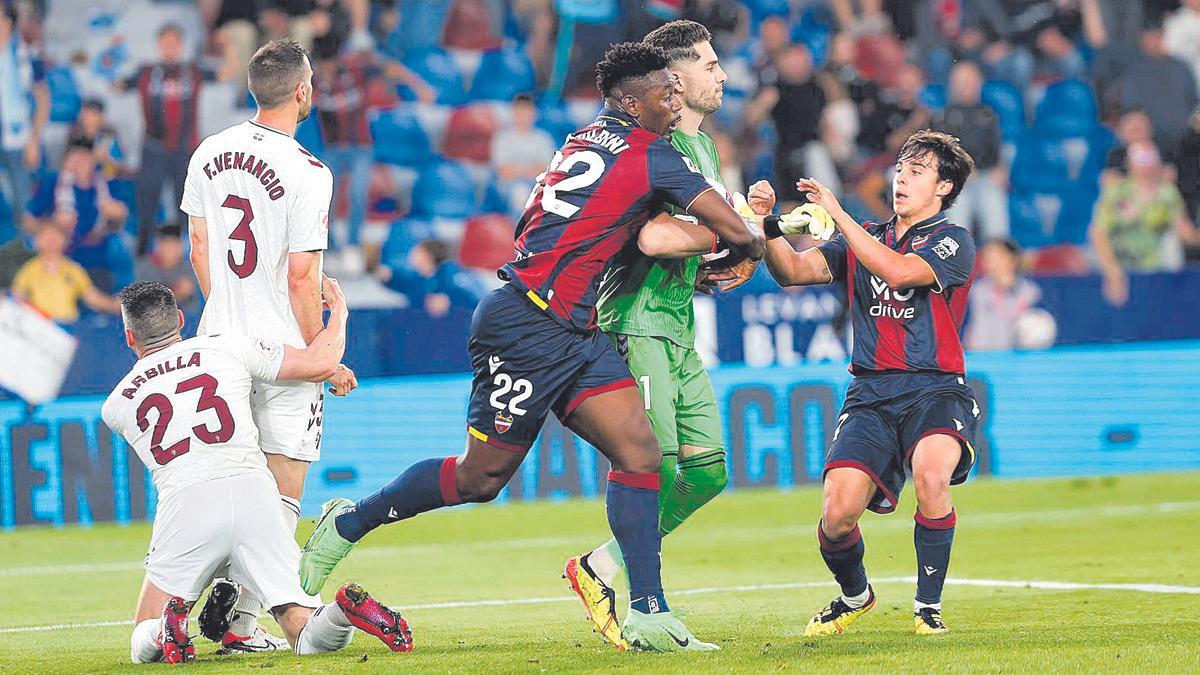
{"x": 686, "y": 486}
{"x": 698, "y": 479}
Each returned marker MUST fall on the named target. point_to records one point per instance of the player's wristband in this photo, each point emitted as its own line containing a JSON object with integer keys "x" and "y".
{"x": 771, "y": 227}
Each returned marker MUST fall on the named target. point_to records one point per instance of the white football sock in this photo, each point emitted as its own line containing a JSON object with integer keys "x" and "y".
{"x": 245, "y": 614}
{"x": 144, "y": 645}
{"x": 856, "y": 601}
{"x": 291, "y": 512}
{"x": 327, "y": 630}
{"x": 604, "y": 561}
{"x": 918, "y": 605}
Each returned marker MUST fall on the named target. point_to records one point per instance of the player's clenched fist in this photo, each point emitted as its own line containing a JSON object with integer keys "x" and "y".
{"x": 343, "y": 381}
{"x": 332, "y": 296}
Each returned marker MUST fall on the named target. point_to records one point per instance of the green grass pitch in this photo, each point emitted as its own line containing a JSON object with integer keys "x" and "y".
{"x": 745, "y": 569}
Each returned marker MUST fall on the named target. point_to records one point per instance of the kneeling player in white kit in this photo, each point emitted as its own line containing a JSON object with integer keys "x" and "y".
{"x": 185, "y": 410}
{"x": 258, "y": 211}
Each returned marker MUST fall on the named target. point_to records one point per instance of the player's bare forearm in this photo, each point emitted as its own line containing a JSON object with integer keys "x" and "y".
{"x": 304, "y": 292}
{"x": 791, "y": 268}
{"x": 895, "y": 269}
{"x": 198, "y": 236}
{"x": 318, "y": 361}
{"x": 666, "y": 236}
{"x": 743, "y": 236}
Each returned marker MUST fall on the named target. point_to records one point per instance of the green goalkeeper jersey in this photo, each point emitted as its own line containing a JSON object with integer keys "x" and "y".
{"x": 652, "y": 297}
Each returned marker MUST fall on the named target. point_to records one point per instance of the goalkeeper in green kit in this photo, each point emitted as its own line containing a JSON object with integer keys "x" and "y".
{"x": 646, "y": 309}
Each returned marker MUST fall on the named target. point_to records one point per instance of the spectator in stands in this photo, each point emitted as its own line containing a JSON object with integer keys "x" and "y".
{"x": 1139, "y": 223}
{"x": 342, "y": 94}
{"x": 795, "y": 102}
{"x": 727, "y": 20}
{"x": 982, "y": 207}
{"x": 433, "y": 280}
{"x": 1133, "y": 127}
{"x": 1057, "y": 57}
{"x": 999, "y": 296}
{"x": 166, "y": 264}
{"x": 78, "y": 201}
{"x": 13, "y": 254}
{"x": 1188, "y": 179}
{"x": 92, "y": 130}
{"x": 280, "y": 19}
{"x": 1162, "y": 86}
{"x": 24, "y": 116}
{"x": 520, "y": 152}
{"x": 774, "y": 36}
{"x": 233, "y": 24}
{"x": 898, "y": 114}
{"x": 1181, "y": 35}
{"x": 55, "y": 284}
{"x": 169, "y": 92}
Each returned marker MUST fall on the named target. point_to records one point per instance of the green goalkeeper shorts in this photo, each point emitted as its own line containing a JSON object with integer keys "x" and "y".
{"x": 676, "y": 391}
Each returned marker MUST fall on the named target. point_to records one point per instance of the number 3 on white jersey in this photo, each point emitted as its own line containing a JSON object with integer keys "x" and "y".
{"x": 550, "y": 201}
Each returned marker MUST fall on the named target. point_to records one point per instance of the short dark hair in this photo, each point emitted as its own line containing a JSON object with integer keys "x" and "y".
{"x": 679, "y": 39}
{"x": 171, "y": 27}
{"x": 628, "y": 61}
{"x": 954, "y": 164}
{"x": 437, "y": 249}
{"x": 172, "y": 230}
{"x": 150, "y": 311}
{"x": 274, "y": 71}
{"x": 524, "y": 97}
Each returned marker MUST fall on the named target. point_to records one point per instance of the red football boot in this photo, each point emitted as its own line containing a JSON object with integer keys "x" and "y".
{"x": 369, "y": 616}
{"x": 176, "y": 645}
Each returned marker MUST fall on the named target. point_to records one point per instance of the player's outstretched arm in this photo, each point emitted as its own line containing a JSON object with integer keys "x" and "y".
{"x": 667, "y": 236}
{"x": 743, "y": 236}
{"x": 198, "y": 235}
{"x": 791, "y": 268}
{"x": 897, "y": 270}
{"x": 318, "y": 361}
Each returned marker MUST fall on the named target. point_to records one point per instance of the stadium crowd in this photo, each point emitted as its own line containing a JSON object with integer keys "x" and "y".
{"x": 437, "y": 115}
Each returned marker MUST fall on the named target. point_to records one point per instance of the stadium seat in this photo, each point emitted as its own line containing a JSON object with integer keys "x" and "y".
{"x": 555, "y": 120}
{"x": 469, "y": 26}
{"x": 399, "y": 138}
{"x": 816, "y": 38}
{"x": 444, "y": 189}
{"x": 503, "y": 73}
{"x": 761, "y": 9}
{"x": 1067, "y": 108}
{"x": 1006, "y": 99}
{"x": 402, "y": 236}
{"x": 1048, "y": 161}
{"x": 438, "y": 69}
{"x": 469, "y": 133}
{"x": 487, "y": 242}
{"x": 1047, "y": 217}
{"x": 933, "y": 95}
{"x": 1060, "y": 259}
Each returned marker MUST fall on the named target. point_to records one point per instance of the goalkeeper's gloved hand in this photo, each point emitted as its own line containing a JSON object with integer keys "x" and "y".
{"x": 810, "y": 219}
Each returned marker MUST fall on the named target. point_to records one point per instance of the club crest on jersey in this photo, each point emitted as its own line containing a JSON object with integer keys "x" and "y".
{"x": 918, "y": 242}
{"x": 502, "y": 422}
{"x": 946, "y": 248}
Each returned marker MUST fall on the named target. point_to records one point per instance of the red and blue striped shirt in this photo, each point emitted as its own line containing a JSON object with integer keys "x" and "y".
{"x": 914, "y": 329}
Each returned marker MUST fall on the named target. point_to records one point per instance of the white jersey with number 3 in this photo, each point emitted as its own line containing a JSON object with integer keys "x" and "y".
{"x": 185, "y": 409}
{"x": 263, "y": 196}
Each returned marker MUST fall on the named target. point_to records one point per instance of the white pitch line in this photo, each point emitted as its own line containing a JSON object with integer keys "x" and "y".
{"x": 1012, "y": 517}
{"x": 982, "y": 583}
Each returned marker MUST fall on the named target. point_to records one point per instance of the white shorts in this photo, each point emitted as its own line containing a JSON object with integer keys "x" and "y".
{"x": 288, "y": 416}
{"x": 226, "y": 526}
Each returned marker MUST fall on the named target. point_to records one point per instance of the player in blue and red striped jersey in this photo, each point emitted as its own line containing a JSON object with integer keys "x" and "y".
{"x": 535, "y": 347}
{"x": 908, "y": 407}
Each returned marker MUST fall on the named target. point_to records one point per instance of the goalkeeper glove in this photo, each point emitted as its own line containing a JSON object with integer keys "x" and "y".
{"x": 810, "y": 219}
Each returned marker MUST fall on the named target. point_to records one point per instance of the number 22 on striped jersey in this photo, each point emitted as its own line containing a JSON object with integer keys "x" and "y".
{"x": 550, "y": 201}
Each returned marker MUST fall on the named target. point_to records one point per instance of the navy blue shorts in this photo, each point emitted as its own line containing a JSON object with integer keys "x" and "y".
{"x": 526, "y": 364}
{"x": 887, "y": 414}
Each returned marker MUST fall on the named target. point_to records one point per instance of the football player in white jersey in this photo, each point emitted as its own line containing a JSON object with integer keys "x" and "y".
{"x": 258, "y": 212}
{"x": 184, "y": 407}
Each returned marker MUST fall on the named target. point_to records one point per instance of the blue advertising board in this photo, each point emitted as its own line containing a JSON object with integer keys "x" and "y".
{"x": 1069, "y": 411}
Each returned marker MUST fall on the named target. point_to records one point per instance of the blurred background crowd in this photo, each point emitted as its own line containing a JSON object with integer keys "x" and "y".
{"x": 436, "y": 115}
